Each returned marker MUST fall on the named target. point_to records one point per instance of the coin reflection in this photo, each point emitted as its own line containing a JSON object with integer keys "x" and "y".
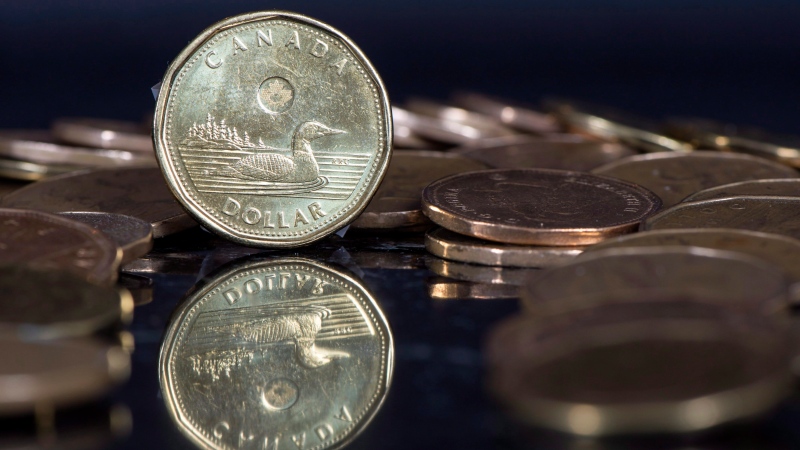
{"x": 276, "y": 353}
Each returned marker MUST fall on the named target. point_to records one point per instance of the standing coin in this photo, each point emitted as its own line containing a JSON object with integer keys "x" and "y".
{"x": 137, "y": 192}
{"x": 397, "y": 203}
{"x": 779, "y": 187}
{"x": 674, "y": 176}
{"x": 134, "y": 236}
{"x": 104, "y": 133}
{"x": 46, "y": 241}
{"x": 537, "y": 206}
{"x": 291, "y": 141}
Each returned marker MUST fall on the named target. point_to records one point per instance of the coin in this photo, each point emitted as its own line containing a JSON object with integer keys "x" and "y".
{"x": 37, "y": 374}
{"x": 639, "y": 368}
{"x": 46, "y": 241}
{"x": 448, "y": 245}
{"x": 443, "y": 288}
{"x": 9, "y": 186}
{"x": 779, "y": 187}
{"x": 515, "y": 276}
{"x": 136, "y": 192}
{"x": 103, "y": 133}
{"x": 285, "y": 352}
{"x": 140, "y": 288}
{"x": 397, "y": 202}
{"x": 515, "y": 116}
{"x": 404, "y": 137}
{"x": 537, "y": 206}
{"x": 28, "y": 171}
{"x": 717, "y": 277}
{"x": 488, "y": 126}
{"x": 778, "y": 215}
{"x": 440, "y": 130}
{"x": 674, "y": 176}
{"x": 291, "y": 143}
{"x": 548, "y": 154}
{"x": 134, "y": 236}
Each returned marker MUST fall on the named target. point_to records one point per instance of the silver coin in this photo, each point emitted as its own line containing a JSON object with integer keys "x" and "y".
{"x": 104, "y": 133}
{"x": 134, "y": 236}
{"x": 520, "y": 117}
{"x": 779, "y": 187}
{"x": 28, "y": 171}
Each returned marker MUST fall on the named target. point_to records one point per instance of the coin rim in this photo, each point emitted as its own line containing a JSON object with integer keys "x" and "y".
{"x": 647, "y": 224}
{"x": 713, "y": 189}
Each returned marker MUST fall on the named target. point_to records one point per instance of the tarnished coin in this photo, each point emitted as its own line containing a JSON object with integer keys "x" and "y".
{"x": 779, "y": 187}
{"x": 674, "y": 176}
{"x": 782, "y": 251}
{"x": 46, "y": 241}
{"x": 57, "y": 373}
{"x": 285, "y": 352}
{"x": 537, "y": 206}
{"x": 47, "y": 304}
{"x": 519, "y": 117}
{"x": 724, "y": 278}
{"x": 292, "y": 141}
{"x": 639, "y": 368}
{"x": 134, "y": 236}
{"x": 442, "y": 288}
{"x": 28, "y": 171}
{"x": 397, "y": 203}
{"x": 778, "y": 215}
{"x": 136, "y": 192}
{"x": 448, "y": 245}
{"x": 104, "y": 133}
{"x": 515, "y": 276}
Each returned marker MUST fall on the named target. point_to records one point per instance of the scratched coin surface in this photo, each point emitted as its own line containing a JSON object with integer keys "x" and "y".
{"x": 397, "y": 203}
{"x": 779, "y": 187}
{"x": 133, "y": 236}
{"x": 537, "y": 206}
{"x": 280, "y": 353}
{"x": 273, "y": 129}
{"x": 136, "y": 192}
{"x": 674, "y": 176}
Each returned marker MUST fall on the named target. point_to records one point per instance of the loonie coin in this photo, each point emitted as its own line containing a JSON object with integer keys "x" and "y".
{"x": 397, "y": 202}
{"x": 47, "y": 304}
{"x": 515, "y": 276}
{"x": 537, "y": 206}
{"x": 515, "y": 116}
{"x": 104, "y": 133}
{"x": 57, "y": 373}
{"x": 674, "y": 176}
{"x": 448, "y": 245}
{"x": 134, "y": 236}
{"x": 778, "y": 215}
{"x": 442, "y": 288}
{"x": 284, "y": 352}
{"x": 489, "y": 126}
{"x": 290, "y": 143}
{"x": 639, "y": 368}
{"x": 28, "y": 171}
{"x": 718, "y": 277}
{"x": 136, "y": 192}
{"x": 782, "y": 251}
{"x": 45, "y": 241}
{"x": 779, "y": 187}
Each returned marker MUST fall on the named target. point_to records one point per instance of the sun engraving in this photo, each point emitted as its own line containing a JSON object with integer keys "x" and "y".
{"x": 275, "y": 95}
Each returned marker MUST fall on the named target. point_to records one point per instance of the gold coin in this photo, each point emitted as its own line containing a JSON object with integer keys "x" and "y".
{"x": 277, "y": 353}
{"x": 674, "y": 176}
{"x": 133, "y": 236}
{"x": 779, "y": 187}
{"x": 515, "y": 276}
{"x": 104, "y": 133}
{"x": 448, "y": 245}
{"x": 515, "y": 116}
{"x": 442, "y": 288}
{"x": 290, "y": 144}
{"x": 537, "y": 206}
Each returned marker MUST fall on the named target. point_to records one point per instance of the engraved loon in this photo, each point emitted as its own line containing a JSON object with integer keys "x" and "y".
{"x": 300, "y": 167}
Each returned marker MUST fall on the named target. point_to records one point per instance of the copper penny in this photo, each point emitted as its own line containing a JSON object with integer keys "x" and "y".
{"x": 537, "y": 206}
{"x": 442, "y": 288}
{"x": 515, "y": 276}
{"x": 674, "y": 176}
{"x": 779, "y": 187}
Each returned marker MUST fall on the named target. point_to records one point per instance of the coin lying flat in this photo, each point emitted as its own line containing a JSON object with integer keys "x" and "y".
{"x": 291, "y": 143}
{"x": 46, "y": 241}
{"x": 780, "y": 187}
{"x": 28, "y": 171}
{"x": 136, "y": 192}
{"x": 440, "y": 130}
{"x": 397, "y": 202}
{"x": 674, "y": 176}
{"x": 537, "y": 206}
{"x": 488, "y": 126}
{"x": 778, "y": 215}
{"x": 134, "y": 236}
{"x": 443, "y": 288}
{"x": 515, "y": 276}
{"x": 448, "y": 245}
{"x": 284, "y": 352}
{"x": 519, "y": 117}
{"x": 140, "y": 288}
{"x": 103, "y": 133}
{"x": 639, "y": 368}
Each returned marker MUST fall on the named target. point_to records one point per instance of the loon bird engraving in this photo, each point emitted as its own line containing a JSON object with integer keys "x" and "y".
{"x": 299, "y": 168}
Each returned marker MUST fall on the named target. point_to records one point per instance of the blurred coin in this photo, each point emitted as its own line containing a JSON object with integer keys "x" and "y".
{"x": 46, "y": 241}
{"x": 547, "y": 154}
{"x": 397, "y": 203}
{"x": 674, "y": 176}
{"x": 9, "y": 186}
{"x": 47, "y": 304}
{"x": 537, "y": 206}
{"x": 134, "y": 236}
{"x": 39, "y": 146}
{"x": 443, "y": 288}
{"x": 522, "y": 118}
{"x": 782, "y": 251}
{"x": 439, "y": 130}
{"x": 779, "y": 187}
{"x": 515, "y": 276}
{"x": 103, "y": 133}
{"x": 57, "y": 373}
{"x": 448, "y": 245}
{"x": 137, "y": 192}
{"x": 778, "y": 215}
{"x": 404, "y": 137}
{"x": 489, "y": 126}
{"x": 28, "y": 171}
{"x": 140, "y": 288}
{"x": 724, "y": 278}
{"x": 639, "y": 368}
